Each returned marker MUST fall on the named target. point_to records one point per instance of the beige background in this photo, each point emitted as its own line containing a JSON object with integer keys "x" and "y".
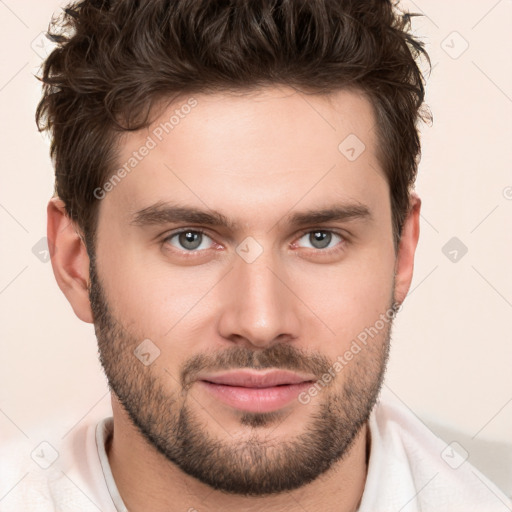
{"x": 452, "y": 351}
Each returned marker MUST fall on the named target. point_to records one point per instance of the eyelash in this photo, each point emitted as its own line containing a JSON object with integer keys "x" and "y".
{"x": 193, "y": 253}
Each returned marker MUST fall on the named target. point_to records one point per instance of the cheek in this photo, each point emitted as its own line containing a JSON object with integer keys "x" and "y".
{"x": 144, "y": 291}
{"x": 349, "y": 299}
{"x": 152, "y": 298}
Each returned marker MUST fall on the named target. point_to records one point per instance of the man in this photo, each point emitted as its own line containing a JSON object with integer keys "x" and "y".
{"x": 235, "y": 213}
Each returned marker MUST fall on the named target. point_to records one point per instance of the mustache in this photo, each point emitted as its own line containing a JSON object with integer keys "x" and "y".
{"x": 281, "y": 356}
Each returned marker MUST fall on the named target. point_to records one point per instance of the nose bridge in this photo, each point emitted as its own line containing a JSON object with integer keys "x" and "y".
{"x": 259, "y": 307}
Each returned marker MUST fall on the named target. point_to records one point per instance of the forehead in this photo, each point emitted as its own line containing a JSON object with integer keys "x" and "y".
{"x": 274, "y": 146}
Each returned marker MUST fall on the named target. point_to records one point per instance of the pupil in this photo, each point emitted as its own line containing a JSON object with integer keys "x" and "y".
{"x": 321, "y": 239}
{"x": 189, "y": 240}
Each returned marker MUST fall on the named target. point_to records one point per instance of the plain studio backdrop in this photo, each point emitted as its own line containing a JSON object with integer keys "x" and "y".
{"x": 451, "y": 352}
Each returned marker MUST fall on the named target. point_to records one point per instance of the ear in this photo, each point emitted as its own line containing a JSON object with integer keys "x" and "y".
{"x": 70, "y": 260}
{"x": 408, "y": 241}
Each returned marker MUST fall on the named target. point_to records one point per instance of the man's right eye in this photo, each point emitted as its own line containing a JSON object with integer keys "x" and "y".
{"x": 188, "y": 240}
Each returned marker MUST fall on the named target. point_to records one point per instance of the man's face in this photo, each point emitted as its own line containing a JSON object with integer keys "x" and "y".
{"x": 271, "y": 290}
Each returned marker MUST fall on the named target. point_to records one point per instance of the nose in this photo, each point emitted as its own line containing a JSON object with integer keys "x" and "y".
{"x": 258, "y": 307}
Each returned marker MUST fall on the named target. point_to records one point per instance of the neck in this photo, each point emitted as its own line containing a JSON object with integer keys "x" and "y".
{"x": 146, "y": 480}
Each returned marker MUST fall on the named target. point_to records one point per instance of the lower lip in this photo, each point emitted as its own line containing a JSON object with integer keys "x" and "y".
{"x": 256, "y": 399}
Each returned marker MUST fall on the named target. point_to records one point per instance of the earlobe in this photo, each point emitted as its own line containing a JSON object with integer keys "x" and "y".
{"x": 408, "y": 242}
{"x": 70, "y": 261}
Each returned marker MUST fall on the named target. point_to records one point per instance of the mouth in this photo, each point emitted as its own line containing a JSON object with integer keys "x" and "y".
{"x": 256, "y": 391}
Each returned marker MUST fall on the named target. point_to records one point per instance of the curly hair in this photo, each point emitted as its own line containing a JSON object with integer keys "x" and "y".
{"x": 115, "y": 59}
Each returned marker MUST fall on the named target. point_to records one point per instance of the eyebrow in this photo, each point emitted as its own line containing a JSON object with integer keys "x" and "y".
{"x": 164, "y": 213}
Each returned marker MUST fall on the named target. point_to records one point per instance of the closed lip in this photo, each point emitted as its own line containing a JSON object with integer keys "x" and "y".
{"x": 257, "y": 379}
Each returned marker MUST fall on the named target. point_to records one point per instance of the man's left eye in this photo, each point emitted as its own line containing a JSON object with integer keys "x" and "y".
{"x": 321, "y": 239}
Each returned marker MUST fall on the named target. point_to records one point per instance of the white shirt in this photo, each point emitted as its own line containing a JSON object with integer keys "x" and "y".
{"x": 409, "y": 470}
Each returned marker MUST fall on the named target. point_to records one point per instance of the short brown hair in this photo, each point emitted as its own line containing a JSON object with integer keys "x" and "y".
{"x": 116, "y": 58}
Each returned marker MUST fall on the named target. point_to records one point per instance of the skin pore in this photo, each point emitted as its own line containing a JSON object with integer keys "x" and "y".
{"x": 267, "y": 286}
